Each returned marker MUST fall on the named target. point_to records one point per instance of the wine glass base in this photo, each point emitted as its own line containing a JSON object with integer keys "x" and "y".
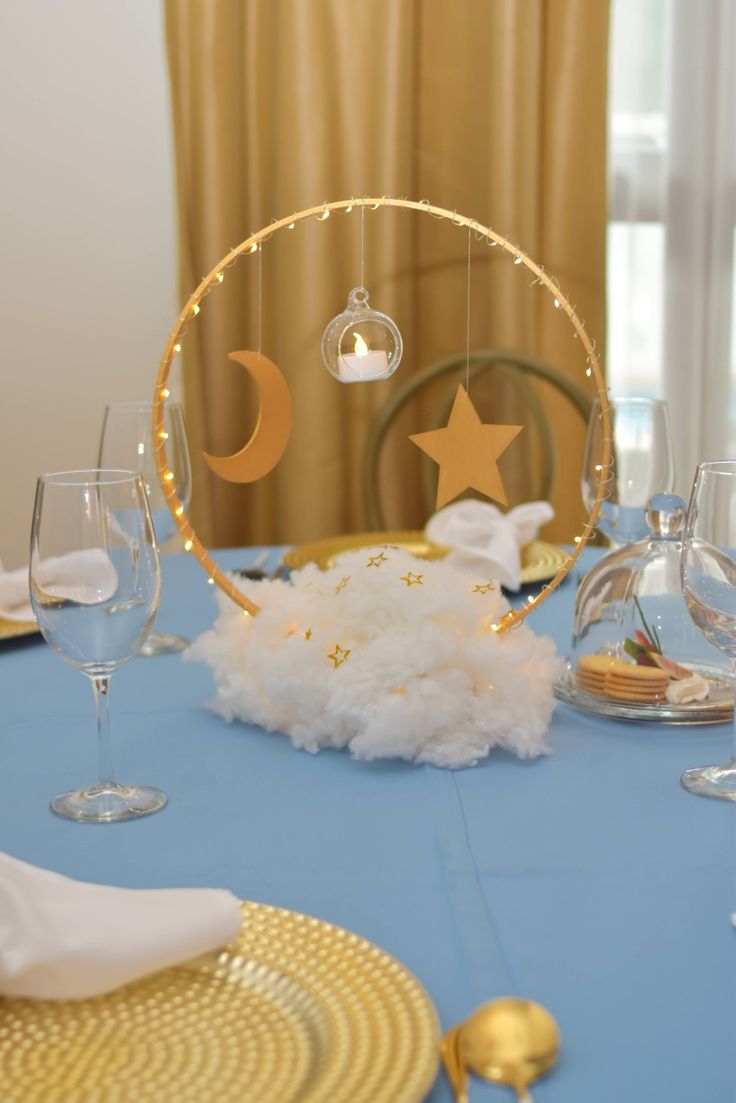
{"x": 163, "y": 644}
{"x": 108, "y": 804}
{"x": 717, "y": 782}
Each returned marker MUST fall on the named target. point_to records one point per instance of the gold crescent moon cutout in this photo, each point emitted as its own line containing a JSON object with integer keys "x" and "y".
{"x": 270, "y": 437}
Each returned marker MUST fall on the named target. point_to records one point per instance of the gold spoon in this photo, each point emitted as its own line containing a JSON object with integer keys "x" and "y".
{"x": 456, "y": 1072}
{"x": 507, "y": 1041}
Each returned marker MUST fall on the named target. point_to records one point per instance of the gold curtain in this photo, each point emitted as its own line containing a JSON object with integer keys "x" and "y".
{"x": 495, "y": 108}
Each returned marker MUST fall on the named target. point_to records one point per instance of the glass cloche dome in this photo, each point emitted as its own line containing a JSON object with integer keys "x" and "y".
{"x": 635, "y": 649}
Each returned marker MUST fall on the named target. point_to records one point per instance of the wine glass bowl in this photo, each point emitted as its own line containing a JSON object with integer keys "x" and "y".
{"x": 95, "y": 588}
{"x": 708, "y": 575}
{"x": 127, "y": 441}
{"x": 642, "y": 464}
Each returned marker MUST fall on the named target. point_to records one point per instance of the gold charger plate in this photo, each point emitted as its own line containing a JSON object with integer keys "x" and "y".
{"x": 539, "y": 561}
{"x": 295, "y": 1009}
{"x": 10, "y": 629}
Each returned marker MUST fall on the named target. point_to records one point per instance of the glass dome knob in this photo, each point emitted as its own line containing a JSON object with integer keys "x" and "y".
{"x": 666, "y": 515}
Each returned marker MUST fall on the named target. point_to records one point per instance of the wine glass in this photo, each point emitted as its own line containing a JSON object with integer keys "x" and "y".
{"x": 95, "y": 585}
{"x": 127, "y": 441}
{"x": 643, "y": 465}
{"x": 708, "y": 572}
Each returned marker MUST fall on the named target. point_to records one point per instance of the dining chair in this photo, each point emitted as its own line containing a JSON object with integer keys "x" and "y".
{"x": 517, "y": 370}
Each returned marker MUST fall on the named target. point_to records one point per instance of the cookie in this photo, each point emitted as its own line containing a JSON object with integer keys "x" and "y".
{"x": 636, "y": 685}
{"x": 591, "y": 675}
{"x": 607, "y": 676}
{"x": 591, "y": 671}
{"x": 598, "y": 688}
{"x": 597, "y": 664}
{"x": 635, "y": 698}
{"x": 590, "y": 679}
{"x": 645, "y": 675}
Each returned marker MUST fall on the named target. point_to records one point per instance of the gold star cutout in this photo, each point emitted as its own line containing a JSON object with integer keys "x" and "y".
{"x": 339, "y": 655}
{"x": 466, "y": 451}
{"x": 377, "y": 560}
{"x": 308, "y": 634}
{"x": 485, "y": 589}
{"x": 412, "y": 579}
{"x": 342, "y": 583}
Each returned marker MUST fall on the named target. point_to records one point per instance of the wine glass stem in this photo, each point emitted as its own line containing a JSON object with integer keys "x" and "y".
{"x": 101, "y": 691}
{"x": 733, "y": 729}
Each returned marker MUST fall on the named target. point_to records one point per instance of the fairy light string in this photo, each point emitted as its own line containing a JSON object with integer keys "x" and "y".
{"x": 467, "y": 323}
{"x": 362, "y": 245}
{"x": 252, "y": 244}
{"x": 260, "y": 298}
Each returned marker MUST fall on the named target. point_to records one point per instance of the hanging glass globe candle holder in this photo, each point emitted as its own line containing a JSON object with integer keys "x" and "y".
{"x": 361, "y": 344}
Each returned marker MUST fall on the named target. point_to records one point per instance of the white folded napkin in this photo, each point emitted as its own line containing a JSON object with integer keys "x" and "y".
{"x": 63, "y": 939}
{"x": 486, "y": 542}
{"x": 84, "y": 576}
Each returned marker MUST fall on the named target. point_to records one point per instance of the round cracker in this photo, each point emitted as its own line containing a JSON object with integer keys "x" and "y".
{"x": 640, "y": 673}
{"x": 635, "y": 698}
{"x": 647, "y": 677}
{"x": 597, "y": 664}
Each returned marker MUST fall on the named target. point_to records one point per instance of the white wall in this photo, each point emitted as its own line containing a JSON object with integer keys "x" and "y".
{"x": 87, "y": 232}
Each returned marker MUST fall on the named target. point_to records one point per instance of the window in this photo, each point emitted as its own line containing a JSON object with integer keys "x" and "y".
{"x": 637, "y": 158}
{"x": 672, "y": 158}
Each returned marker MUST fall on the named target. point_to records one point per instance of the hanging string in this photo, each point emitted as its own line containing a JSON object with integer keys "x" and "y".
{"x": 467, "y": 324}
{"x": 260, "y": 299}
{"x": 362, "y": 244}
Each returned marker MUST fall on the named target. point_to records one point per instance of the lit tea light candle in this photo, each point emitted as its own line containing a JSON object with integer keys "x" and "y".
{"x": 363, "y": 364}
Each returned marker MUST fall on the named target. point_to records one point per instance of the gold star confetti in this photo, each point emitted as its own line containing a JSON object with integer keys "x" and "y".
{"x": 412, "y": 579}
{"x": 339, "y": 655}
{"x": 485, "y": 589}
{"x": 466, "y": 451}
{"x": 308, "y": 634}
{"x": 342, "y": 583}
{"x": 377, "y": 560}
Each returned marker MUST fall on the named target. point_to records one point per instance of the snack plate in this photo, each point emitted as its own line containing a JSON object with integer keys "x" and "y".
{"x": 295, "y": 1009}
{"x": 716, "y": 709}
{"x": 539, "y": 561}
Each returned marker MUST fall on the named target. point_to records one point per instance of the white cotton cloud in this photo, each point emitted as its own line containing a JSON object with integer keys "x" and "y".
{"x": 356, "y": 657}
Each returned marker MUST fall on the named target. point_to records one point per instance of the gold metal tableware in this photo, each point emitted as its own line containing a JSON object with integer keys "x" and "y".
{"x": 11, "y": 629}
{"x": 539, "y": 560}
{"x": 507, "y": 1041}
{"x": 294, "y": 1011}
{"x": 457, "y": 1074}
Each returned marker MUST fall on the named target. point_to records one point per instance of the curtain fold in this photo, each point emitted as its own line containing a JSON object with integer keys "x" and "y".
{"x": 495, "y": 108}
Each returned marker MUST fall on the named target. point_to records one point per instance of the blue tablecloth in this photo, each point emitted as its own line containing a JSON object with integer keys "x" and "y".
{"x": 588, "y": 880}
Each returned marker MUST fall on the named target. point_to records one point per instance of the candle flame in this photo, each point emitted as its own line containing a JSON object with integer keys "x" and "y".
{"x": 361, "y": 348}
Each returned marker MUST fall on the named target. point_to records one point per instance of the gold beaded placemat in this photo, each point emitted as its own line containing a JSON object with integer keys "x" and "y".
{"x": 295, "y": 1009}
{"x": 11, "y": 629}
{"x": 539, "y": 560}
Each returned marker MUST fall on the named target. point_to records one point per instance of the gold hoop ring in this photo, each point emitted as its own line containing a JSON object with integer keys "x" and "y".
{"x": 251, "y": 244}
